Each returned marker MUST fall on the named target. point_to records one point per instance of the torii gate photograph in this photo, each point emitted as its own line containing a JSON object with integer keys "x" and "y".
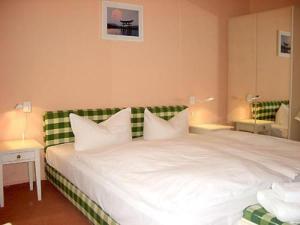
{"x": 122, "y": 21}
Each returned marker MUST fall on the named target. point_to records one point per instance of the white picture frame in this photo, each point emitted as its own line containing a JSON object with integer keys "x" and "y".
{"x": 284, "y": 44}
{"x": 122, "y": 21}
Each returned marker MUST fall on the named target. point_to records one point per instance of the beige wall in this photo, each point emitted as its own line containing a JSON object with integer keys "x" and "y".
{"x": 52, "y": 55}
{"x": 242, "y": 65}
{"x": 254, "y": 64}
{"x": 273, "y": 72}
{"x": 262, "y": 5}
{"x": 294, "y": 131}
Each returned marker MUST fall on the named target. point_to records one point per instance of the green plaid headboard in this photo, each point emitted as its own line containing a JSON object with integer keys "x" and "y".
{"x": 57, "y": 127}
{"x": 266, "y": 110}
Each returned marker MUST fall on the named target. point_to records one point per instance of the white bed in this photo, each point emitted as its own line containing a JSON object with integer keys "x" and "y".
{"x": 200, "y": 179}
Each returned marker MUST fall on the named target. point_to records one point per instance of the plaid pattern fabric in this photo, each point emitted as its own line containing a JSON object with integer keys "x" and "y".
{"x": 258, "y": 215}
{"x": 88, "y": 207}
{"x": 266, "y": 110}
{"x": 58, "y": 130}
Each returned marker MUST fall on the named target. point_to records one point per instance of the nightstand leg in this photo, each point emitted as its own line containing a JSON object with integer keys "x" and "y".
{"x": 30, "y": 173}
{"x": 1, "y": 187}
{"x": 38, "y": 174}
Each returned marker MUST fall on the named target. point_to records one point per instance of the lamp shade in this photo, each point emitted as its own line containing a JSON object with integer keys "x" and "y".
{"x": 251, "y": 98}
{"x": 193, "y": 100}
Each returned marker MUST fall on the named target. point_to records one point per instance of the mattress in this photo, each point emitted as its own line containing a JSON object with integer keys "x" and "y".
{"x": 63, "y": 159}
{"x": 107, "y": 195}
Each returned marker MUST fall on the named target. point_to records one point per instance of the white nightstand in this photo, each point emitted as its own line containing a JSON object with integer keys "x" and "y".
{"x": 261, "y": 126}
{"x": 203, "y": 128}
{"x": 20, "y": 152}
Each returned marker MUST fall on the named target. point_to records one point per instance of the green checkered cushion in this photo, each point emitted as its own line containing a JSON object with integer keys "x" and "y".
{"x": 266, "y": 110}
{"x": 58, "y": 130}
{"x": 258, "y": 215}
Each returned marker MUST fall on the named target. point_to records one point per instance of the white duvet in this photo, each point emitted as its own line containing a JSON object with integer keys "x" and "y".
{"x": 180, "y": 181}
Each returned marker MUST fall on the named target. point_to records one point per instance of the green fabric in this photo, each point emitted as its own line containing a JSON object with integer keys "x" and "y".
{"x": 88, "y": 207}
{"x": 266, "y": 110}
{"x": 58, "y": 130}
{"x": 258, "y": 215}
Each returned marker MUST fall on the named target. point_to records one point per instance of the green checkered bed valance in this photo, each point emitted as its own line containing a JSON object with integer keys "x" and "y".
{"x": 266, "y": 110}
{"x": 80, "y": 200}
{"x": 258, "y": 215}
{"x": 58, "y": 130}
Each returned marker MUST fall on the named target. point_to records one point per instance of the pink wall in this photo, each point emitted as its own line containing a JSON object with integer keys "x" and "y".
{"x": 254, "y": 62}
{"x": 52, "y": 55}
{"x": 261, "y": 5}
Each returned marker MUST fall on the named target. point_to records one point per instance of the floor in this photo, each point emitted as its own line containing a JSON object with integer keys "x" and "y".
{"x": 22, "y": 208}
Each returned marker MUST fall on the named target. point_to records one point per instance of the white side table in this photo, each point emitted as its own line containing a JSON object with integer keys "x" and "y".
{"x": 20, "y": 152}
{"x": 203, "y": 128}
{"x": 249, "y": 125}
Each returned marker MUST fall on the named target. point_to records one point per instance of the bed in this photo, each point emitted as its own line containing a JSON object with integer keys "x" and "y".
{"x": 107, "y": 195}
{"x": 267, "y": 110}
{"x": 58, "y": 131}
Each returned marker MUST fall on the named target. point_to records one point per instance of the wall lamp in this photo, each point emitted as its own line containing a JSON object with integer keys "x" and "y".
{"x": 26, "y": 108}
{"x": 252, "y": 98}
{"x": 193, "y": 100}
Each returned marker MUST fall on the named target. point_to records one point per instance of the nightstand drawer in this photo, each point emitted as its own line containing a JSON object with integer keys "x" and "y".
{"x": 263, "y": 128}
{"x": 258, "y": 126}
{"x": 17, "y": 156}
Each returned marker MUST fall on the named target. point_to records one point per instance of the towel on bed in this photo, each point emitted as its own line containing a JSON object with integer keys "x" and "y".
{"x": 284, "y": 211}
{"x": 288, "y": 192}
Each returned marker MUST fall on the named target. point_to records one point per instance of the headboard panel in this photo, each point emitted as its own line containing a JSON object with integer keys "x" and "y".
{"x": 267, "y": 110}
{"x": 57, "y": 127}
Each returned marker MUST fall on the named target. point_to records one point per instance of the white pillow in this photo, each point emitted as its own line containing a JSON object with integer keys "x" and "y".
{"x": 90, "y": 135}
{"x": 156, "y": 128}
{"x": 282, "y": 116}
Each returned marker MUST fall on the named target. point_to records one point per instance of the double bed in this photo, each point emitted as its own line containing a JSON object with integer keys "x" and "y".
{"x": 198, "y": 179}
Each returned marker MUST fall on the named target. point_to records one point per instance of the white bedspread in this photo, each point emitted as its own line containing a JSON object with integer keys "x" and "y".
{"x": 181, "y": 181}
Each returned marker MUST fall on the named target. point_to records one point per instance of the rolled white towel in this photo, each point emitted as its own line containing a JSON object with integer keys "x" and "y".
{"x": 288, "y": 192}
{"x": 284, "y": 211}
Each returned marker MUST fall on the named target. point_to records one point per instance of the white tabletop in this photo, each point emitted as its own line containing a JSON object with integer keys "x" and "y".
{"x": 252, "y": 121}
{"x": 19, "y": 145}
{"x": 212, "y": 127}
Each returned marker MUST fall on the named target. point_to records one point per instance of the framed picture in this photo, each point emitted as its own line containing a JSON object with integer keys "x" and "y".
{"x": 284, "y": 44}
{"x": 122, "y": 21}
